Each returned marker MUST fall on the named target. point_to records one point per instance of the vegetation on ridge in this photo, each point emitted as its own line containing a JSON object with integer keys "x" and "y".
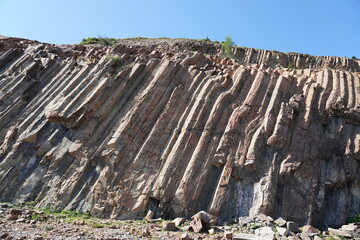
{"x": 101, "y": 40}
{"x": 227, "y": 45}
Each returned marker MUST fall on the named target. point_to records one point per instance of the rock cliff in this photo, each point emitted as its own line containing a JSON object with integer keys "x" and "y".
{"x": 171, "y": 126}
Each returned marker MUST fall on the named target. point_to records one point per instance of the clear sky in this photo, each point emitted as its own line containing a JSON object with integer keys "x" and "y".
{"x": 318, "y": 27}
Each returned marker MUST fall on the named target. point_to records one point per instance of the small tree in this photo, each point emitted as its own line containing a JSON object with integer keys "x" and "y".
{"x": 227, "y": 46}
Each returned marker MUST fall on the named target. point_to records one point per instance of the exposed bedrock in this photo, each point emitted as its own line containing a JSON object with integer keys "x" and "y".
{"x": 176, "y": 128}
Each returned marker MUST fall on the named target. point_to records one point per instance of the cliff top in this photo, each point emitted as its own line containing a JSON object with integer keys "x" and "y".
{"x": 243, "y": 55}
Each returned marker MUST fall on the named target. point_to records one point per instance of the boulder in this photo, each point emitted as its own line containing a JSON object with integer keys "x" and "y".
{"x": 243, "y": 221}
{"x": 179, "y": 221}
{"x": 265, "y": 232}
{"x": 340, "y": 233}
{"x": 150, "y": 215}
{"x": 169, "y": 226}
{"x": 185, "y": 236}
{"x": 350, "y": 227}
{"x": 205, "y": 217}
{"x": 282, "y": 231}
{"x": 310, "y": 230}
{"x": 247, "y": 236}
{"x": 197, "y": 225}
{"x": 15, "y": 211}
{"x": 228, "y": 235}
{"x": 280, "y": 222}
{"x": 265, "y": 218}
{"x": 292, "y": 227}
{"x": 305, "y": 236}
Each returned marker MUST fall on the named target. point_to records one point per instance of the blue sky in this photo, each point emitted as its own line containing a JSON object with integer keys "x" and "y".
{"x": 318, "y": 27}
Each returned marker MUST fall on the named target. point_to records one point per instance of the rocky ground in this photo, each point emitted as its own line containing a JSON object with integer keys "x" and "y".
{"x": 25, "y": 222}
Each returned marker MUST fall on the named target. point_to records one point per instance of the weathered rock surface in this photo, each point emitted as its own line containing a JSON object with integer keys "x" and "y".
{"x": 175, "y": 129}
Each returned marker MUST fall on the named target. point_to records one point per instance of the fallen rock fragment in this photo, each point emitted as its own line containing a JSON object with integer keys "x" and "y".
{"x": 197, "y": 225}
{"x": 185, "y": 236}
{"x": 340, "y": 233}
{"x": 228, "y": 235}
{"x": 169, "y": 226}
{"x": 247, "y": 236}
{"x": 282, "y": 231}
{"x": 179, "y": 221}
{"x": 265, "y": 232}
{"x": 292, "y": 227}
{"x": 211, "y": 231}
{"x": 150, "y": 215}
{"x": 15, "y": 211}
{"x": 280, "y": 222}
{"x": 205, "y": 217}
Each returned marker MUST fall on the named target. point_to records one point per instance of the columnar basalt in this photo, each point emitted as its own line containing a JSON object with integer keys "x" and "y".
{"x": 174, "y": 127}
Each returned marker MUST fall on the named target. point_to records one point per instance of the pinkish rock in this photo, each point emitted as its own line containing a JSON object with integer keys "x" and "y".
{"x": 169, "y": 226}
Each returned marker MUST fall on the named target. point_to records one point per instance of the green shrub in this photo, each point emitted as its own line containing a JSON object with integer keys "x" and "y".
{"x": 355, "y": 58}
{"x": 290, "y": 65}
{"x": 227, "y": 45}
{"x": 100, "y": 40}
{"x": 98, "y": 225}
{"x": 356, "y": 218}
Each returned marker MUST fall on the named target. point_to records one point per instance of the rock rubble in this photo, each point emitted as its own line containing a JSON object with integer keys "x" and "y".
{"x": 39, "y": 225}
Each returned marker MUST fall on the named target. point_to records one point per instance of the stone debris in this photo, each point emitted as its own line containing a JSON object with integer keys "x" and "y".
{"x": 211, "y": 231}
{"x": 341, "y": 233}
{"x": 185, "y": 236}
{"x": 169, "y": 226}
{"x": 282, "y": 231}
{"x": 292, "y": 227}
{"x": 202, "y": 221}
{"x": 280, "y": 222}
{"x": 179, "y": 221}
{"x": 310, "y": 229}
{"x": 246, "y": 228}
{"x": 317, "y": 238}
{"x": 197, "y": 225}
{"x": 150, "y": 215}
{"x": 265, "y": 232}
{"x": 228, "y": 235}
{"x": 246, "y": 236}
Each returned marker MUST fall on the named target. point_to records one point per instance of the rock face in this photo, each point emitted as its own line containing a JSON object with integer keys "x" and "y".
{"x": 174, "y": 128}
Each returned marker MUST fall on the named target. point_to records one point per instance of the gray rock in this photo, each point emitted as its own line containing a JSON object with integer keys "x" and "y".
{"x": 265, "y": 232}
{"x": 282, "y": 231}
{"x": 350, "y": 227}
{"x": 310, "y": 230}
{"x": 246, "y": 236}
{"x": 15, "y": 211}
{"x": 305, "y": 236}
{"x": 292, "y": 227}
{"x": 169, "y": 226}
{"x": 317, "y": 238}
{"x": 280, "y": 222}
{"x": 197, "y": 225}
{"x": 340, "y": 233}
{"x": 243, "y": 221}
{"x": 179, "y": 221}
{"x": 185, "y": 236}
{"x": 228, "y": 235}
{"x": 205, "y": 217}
